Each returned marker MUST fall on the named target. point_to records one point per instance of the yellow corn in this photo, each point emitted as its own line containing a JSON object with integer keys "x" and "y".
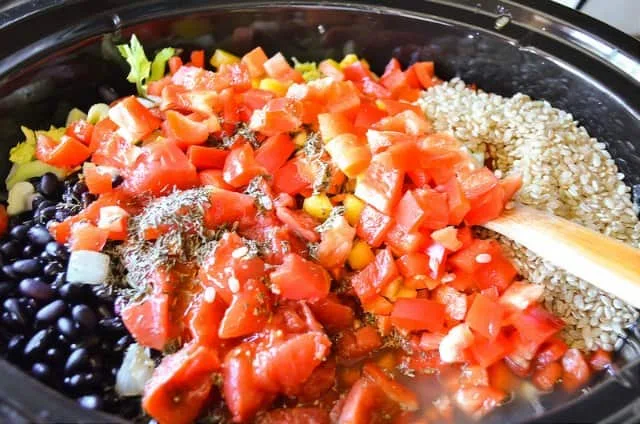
{"x": 349, "y": 59}
{"x": 273, "y": 85}
{"x": 300, "y": 139}
{"x": 221, "y": 57}
{"x": 319, "y": 206}
{"x": 352, "y": 208}
{"x": 255, "y": 82}
{"x": 380, "y": 105}
{"x": 333, "y": 63}
{"x": 360, "y": 256}
{"x": 406, "y": 293}
{"x": 391, "y": 291}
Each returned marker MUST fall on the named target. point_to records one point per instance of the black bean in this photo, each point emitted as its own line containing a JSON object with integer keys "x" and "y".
{"x": 84, "y": 316}
{"x": 104, "y": 311}
{"x": 36, "y": 200}
{"x": 11, "y": 249}
{"x": 6, "y": 287}
{"x": 29, "y": 267}
{"x": 75, "y": 293}
{"x": 112, "y": 325}
{"x": 79, "y": 188}
{"x": 94, "y": 402}
{"x": 62, "y": 214}
{"x": 57, "y": 250}
{"x": 88, "y": 342}
{"x": 82, "y": 381}
{"x": 8, "y": 271}
{"x": 52, "y": 269}
{"x": 39, "y": 343}
{"x": 78, "y": 361}
{"x": 36, "y": 288}
{"x": 49, "y": 184}
{"x": 19, "y": 232}
{"x": 67, "y": 327}
{"x": 87, "y": 198}
{"x": 13, "y": 321}
{"x": 45, "y": 204}
{"x": 13, "y": 305}
{"x": 51, "y": 312}
{"x": 55, "y": 357}
{"x": 45, "y": 214}
{"x": 15, "y": 347}
{"x": 103, "y": 294}
{"x": 41, "y": 371}
{"x": 59, "y": 281}
{"x": 30, "y": 251}
{"x": 116, "y": 180}
{"x": 39, "y": 234}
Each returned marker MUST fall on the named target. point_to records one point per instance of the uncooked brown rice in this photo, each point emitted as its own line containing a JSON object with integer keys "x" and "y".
{"x": 566, "y": 172}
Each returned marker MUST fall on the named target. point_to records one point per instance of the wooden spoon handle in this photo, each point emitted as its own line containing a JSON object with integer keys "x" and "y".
{"x": 602, "y": 261}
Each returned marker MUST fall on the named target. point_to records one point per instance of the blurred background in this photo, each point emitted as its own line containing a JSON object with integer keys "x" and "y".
{"x": 622, "y": 14}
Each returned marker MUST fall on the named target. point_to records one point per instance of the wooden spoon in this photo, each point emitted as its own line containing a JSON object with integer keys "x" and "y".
{"x": 606, "y": 263}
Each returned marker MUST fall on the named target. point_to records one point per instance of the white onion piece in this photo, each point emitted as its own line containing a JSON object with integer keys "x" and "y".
{"x": 19, "y": 199}
{"x": 136, "y": 369}
{"x": 89, "y": 267}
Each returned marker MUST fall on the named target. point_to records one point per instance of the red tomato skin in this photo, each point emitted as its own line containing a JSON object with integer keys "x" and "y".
{"x": 546, "y": 377}
{"x": 294, "y": 269}
{"x": 274, "y": 152}
{"x": 248, "y": 312}
{"x": 332, "y": 314}
{"x": 135, "y": 121}
{"x": 361, "y": 402}
{"x": 373, "y": 226}
{"x": 418, "y": 314}
{"x": 355, "y": 344}
{"x": 485, "y": 316}
{"x": 297, "y": 415}
{"x": 241, "y": 393}
{"x": 371, "y": 280}
{"x": 576, "y": 372}
{"x": 381, "y": 184}
{"x": 240, "y": 166}
{"x": 290, "y": 179}
{"x": 206, "y": 157}
{"x": 228, "y": 207}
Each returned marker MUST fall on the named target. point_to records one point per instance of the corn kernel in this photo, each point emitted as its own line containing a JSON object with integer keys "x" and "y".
{"x": 255, "y": 82}
{"x": 390, "y": 292}
{"x": 221, "y": 57}
{"x": 273, "y": 85}
{"x": 352, "y": 208}
{"x": 406, "y": 293}
{"x": 319, "y": 206}
{"x": 300, "y": 139}
{"x": 349, "y": 59}
{"x": 360, "y": 256}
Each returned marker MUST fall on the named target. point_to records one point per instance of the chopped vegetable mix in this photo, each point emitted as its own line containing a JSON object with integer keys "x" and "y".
{"x": 297, "y": 240}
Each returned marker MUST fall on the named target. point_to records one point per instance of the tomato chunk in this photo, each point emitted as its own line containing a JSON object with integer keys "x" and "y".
{"x": 418, "y": 314}
{"x": 298, "y": 278}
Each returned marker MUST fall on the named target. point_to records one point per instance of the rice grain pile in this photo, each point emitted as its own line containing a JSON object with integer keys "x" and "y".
{"x": 566, "y": 172}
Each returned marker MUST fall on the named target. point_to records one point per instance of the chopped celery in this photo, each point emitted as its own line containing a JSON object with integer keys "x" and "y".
{"x": 25, "y": 151}
{"x": 142, "y": 70}
{"x": 97, "y": 113}
{"x": 309, "y": 70}
{"x": 160, "y": 61}
{"x": 24, "y": 171}
{"x": 74, "y": 115}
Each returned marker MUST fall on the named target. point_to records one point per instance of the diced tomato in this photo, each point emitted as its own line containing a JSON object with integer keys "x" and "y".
{"x": 228, "y": 207}
{"x": 405, "y": 398}
{"x": 413, "y": 264}
{"x": 183, "y": 130}
{"x": 600, "y": 360}
{"x": 114, "y": 151}
{"x": 248, "y": 312}
{"x": 368, "y": 114}
{"x": 576, "y": 371}
{"x": 160, "y": 168}
{"x": 284, "y": 366}
{"x": 335, "y": 244}
{"x": 510, "y": 186}
{"x": 69, "y": 152}
{"x": 465, "y": 259}
{"x": 98, "y": 178}
{"x": 373, "y": 226}
{"x": 114, "y": 220}
{"x": 551, "y": 350}
{"x": 349, "y": 154}
{"x": 214, "y": 178}
{"x": 478, "y": 401}
{"x": 375, "y": 276}
{"x": 424, "y": 72}
{"x": 135, "y": 121}
{"x": 240, "y": 166}
{"x": 254, "y": 61}
{"x": 485, "y": 316}
{"x": 486, "y": 207}
{"x": 332, "y": 125}
{"x": 297, "y": 415}
{"x": 355, "y": 344}
{"x": 401, "y": 241}
{"x": 520, "y": 295}
{"x": 274, "y": 152}
{"x": 301, "y": 223}
{"x": 407, "y": 121}
{"x": 501, "y": 377}
{"x": 180, "y": 385}
{"x": 458, "y": 204}
{"x": 148, "y": 321}
{"x": 278, "y": 116}
{"x": 435, "y": 207}
{"x": 332, "y": 314}
{"x": 205, "y": 315}
{"x": 488, "y": 351}
{"x": 381, "y": 184}
{"x": 291, "y": 178}
{"x": 294, "y": 269}
{"x": 80, "y": 130}
{"x": 454, "y": 301}
{"x": 546, "y": 377}
{"x": 278, "y": 67}
{"x": 409, "y": 213}
{"x": 197, "y": 58}
{"x": 85, "y": 236}
{"x": 241, "y": 392}
{"x": 430, "y": 341}
{"x": 175, "y": 62}
{"x": 418, "y": 314}
{"x": 207, "y": 157}
{"x": 4, "y": 220}
{"x": 362, "y": 402}
{"x": 342, "y": 96}
{"x": 536, "y": 324}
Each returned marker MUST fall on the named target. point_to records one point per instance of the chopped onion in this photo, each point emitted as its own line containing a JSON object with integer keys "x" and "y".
{"x": 137, "y": 367}
{"x": 86, "y": 266}
{"x": 19, "y": 199}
